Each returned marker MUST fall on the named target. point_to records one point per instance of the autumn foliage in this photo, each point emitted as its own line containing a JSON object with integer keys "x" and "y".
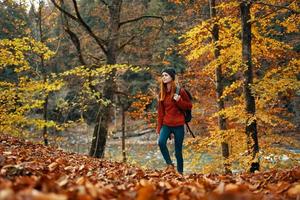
{"x": 80, "y": 81}
{"x": 275, "y": 71}
{"x": 20, "y": 96}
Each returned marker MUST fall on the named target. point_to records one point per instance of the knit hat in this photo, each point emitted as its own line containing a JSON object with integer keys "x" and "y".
{"x": 170, "y": 71}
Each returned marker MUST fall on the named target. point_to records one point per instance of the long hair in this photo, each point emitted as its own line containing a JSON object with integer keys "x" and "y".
{"x": 163, "y": 90}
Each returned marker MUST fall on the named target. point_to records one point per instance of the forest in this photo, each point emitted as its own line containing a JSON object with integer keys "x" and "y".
{"x": 79, "y": 89}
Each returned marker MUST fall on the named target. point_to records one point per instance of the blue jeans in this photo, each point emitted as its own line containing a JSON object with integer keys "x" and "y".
{"x": 178, "y": 132}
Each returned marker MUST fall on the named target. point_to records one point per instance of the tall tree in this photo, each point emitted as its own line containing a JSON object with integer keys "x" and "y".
{"x": 42, "y": 40}
{"x": 111, "y": 47}
{"x": 251, "y": 128}
{"x": 219, "y": 85}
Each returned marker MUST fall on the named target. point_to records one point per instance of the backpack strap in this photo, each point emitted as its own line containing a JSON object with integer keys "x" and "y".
{"x": 187, "y": 125}
{"x": 177, "y": 90}
{"x": 189, "y": 129}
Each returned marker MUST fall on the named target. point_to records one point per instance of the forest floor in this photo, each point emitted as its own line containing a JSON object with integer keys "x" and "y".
{"x": 34, "y": 171}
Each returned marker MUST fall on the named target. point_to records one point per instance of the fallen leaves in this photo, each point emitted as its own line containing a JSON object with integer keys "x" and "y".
{"x": 294, "y": 191}
{"x": 146, "y": 191}
{"x": 52, "y": 166}
{"x": 33, "y": 171}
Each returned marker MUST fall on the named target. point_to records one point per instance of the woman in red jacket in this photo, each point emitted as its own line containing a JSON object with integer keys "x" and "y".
{"x": 170, "y": 117}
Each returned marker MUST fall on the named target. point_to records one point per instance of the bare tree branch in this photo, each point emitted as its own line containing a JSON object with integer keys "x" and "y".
{"x": 135, "y": 20}
{"x": 79, "y": 20}
{"x": 140, "y": 18}
{"x": 58, "y": 44}
{"x": 97, "y": 59}
{"x": 74, "y": 38}
{"x": 127, "y": 42}
{"x": 121, "y": 93}
{"x": 76, "y": 42}
{"x": 64, "y": 11}
{"x": 101, "y": 41}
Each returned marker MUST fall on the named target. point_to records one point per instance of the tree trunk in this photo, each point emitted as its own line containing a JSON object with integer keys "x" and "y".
{"x": 219, "y": 87}
{"x": 45, "y": 111}
{"x": 104, "y": 114}
{"x": 123, "y": 134}
{"x": 251, "y": 129}
{"x": 45, "y": 131}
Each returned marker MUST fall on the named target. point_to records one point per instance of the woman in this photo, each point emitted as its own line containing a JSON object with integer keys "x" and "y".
{"x": 170, "y": 117}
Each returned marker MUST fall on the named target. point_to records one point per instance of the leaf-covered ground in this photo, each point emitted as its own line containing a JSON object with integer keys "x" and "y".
{"x": 33, "y": 171}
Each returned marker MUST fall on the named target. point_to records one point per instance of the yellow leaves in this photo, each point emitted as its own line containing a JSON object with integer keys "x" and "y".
{"x": 231, "y": 88}
{"x": 196, "y": 41}
{"x": 53, "y": 86}
{"x": 12, "y": 52}
{"x": 291, "y": 23}
{"x": 266, "y": 47}
{"x": 98, "y": 71}
{"x": 236, "y": 113}
{"x": 26, "y": 93}
{"x": 270, "y": 119}
{"x": 279, "y": 80}
{"x": 78, "y": 71}
{"x": 228, "y": 5}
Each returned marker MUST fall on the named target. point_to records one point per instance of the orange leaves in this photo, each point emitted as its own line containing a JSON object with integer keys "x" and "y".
{"x": 294, "y": 191}
{"x": 139, "y": 106}
{"x": 52, "y": 166}
{"x": 146, "y": 190}
{"x": 57, "y": 175}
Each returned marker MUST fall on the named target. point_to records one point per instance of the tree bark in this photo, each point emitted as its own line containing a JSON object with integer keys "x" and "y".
{"x": 123, "y": 134}
{"x": 219, "y": 87}
{"x": 251, "y": 126}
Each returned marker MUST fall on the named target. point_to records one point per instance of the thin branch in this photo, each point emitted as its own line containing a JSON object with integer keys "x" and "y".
{"x": 140, "y": 18}
{"x": 34, "y": 13}
{"x": 137, "y": 19}
{"x": 49, "y": 14}
{"x": 58, "y": 44}
{"x": 159, "y": 30}
{"x": 79, "y": 20}
{"x": 76, "y": 42}
{"x": 268, "y": 14}
{"x": 74, "y": 38}
{"x": 99, "y": 40}
{"x": 64, "y": 11}
{"x": 277, "y": 6}
{"x": 94, "y": 57}
{"x": 121, "y": 93}
{"x": 264, "y": 16}
{"x": 127, "y": 42}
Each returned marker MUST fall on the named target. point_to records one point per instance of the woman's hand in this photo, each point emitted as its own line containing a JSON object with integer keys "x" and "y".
{"x": 157, "y": 131}
{"x": 176, "y": 97}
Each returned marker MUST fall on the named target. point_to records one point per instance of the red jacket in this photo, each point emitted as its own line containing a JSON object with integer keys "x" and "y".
{"x": 169, "y": 112}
